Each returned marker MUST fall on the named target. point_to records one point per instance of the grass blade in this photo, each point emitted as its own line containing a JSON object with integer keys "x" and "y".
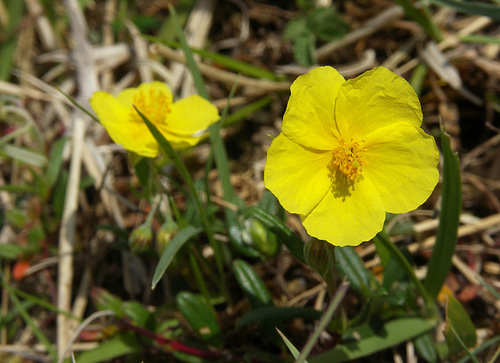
{"x": 446, "y": 237}
{"x": 171, "y": 250}
{"x": 324, "y": 321}
{"x": 190, "y": 62}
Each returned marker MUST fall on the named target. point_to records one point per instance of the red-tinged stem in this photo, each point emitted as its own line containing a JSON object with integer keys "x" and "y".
{"x": 177, "y": 346}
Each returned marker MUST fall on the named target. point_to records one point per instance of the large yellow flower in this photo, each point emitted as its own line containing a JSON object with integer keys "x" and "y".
{"x": 349, "y": 152}
{"x": 183, "y": 123}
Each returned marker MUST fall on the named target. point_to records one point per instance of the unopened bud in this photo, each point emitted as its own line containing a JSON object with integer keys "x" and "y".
{"x": 140, "y": 238}
{"x": 320, "y": 256}
{"x": 164, "y": 235}
{"x": 255, "y": 234}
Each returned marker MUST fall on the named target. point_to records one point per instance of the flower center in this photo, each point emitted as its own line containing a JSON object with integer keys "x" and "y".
{"x": 152, "y": 104}
{"x": 348, "y": 157}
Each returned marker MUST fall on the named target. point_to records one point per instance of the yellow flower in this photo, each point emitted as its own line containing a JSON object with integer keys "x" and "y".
{"x": 183, "y": 123}
{"x": 349, "y": 152}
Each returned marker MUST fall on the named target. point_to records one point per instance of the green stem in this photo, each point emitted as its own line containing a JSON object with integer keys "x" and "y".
{"x": 396, "y": 253}
{"x": 324, "y": 321}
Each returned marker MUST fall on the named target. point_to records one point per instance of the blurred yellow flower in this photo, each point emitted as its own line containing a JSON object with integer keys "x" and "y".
{"x": 349, "y": 152}
{"x": 182, "y": 123}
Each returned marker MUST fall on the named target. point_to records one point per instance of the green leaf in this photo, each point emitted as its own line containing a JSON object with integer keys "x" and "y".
{"x": 55, "y": 161}
{"x": 326, "y": 24}
{"x": 138, "y": 314}
{"x": 425, "y": 347}
{"x": 459, "y": 332}
{"x": 289, "y": 239}
{"x": 10, "y": 36}
{"x": 10, "y": 251}
{"x": 200, "y": 315}
{"x": 171, "y": 250}
{"x": 246, "y": 111}
{"x": 251, "y": 284}
{"x": 472, "y": 7}
{"x": 391, "y": 334}
{"x": 446, "y": 237}
{"x": 24, "y": 155}
{"x": 295, "y": 352}
{"x": 112, "y": 348}
{"x": 421, "y": 16}
{"x": 190, "y": 62}
{"x": 352, "y": 267}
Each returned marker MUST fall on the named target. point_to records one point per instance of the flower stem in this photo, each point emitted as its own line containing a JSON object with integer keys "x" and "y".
{"x": 396, "y": 253}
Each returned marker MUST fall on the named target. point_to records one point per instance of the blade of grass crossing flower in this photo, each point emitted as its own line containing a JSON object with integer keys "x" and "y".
{"x": 77, "y": 105}
{"x": 181, "y": 168}
{"x": 289, "y": 239}
{"x": 295, "y": 352}
{"x": 324, "y": 321}
{"x": 171, "y": 250}
{"x": 446, "y": 237}
{"x": 191, "y": 64}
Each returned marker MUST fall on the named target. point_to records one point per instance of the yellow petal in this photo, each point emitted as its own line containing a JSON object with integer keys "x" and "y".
{"x": 121, "y": 127}
{"x": 191, "y": 116}
{"x": 309, "y": 117}
{"x": 125, "y": 97}
{"x": 403, "y": 166}
{"x": 299, "y": 177}
{"x": 373, "y": 100}
{"x": 349, "y": 214}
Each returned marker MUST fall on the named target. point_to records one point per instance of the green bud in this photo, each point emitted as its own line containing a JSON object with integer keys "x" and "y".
{"x": 255, "y": 234}
{"x": 320, "y": 256}
{"x": 164, "y": 235}
{"x": 140, "y": 238}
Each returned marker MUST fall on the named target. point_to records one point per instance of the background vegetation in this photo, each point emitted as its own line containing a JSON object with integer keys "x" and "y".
{"x": 111, "y": 257}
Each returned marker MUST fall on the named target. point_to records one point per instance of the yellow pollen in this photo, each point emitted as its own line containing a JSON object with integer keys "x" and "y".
{"x": 348, "y": 157}
{"x": 152, "y": 104}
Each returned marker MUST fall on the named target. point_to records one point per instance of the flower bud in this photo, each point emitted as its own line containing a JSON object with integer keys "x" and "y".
{"x": 255, "y": 234}
{"x": 164, "y": 235}
{"x": 319, "y": 255}
{"x": 140, "y": 238}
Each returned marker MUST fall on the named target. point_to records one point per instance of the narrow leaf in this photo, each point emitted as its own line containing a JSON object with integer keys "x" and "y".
{"x": 295, "y": 352}
{"x": 352, "y": 267}
{"x": 112, "y": 348}
{"x": 446, "y": 237}
{"x": 171, "y": 250}
{"x": 459, "y": 331}
{"x": 191, "y": 64}
{"x": 200, "y": 315}
{"x": 392, "y": 333}
{"x": 55, "y": 161}
{"x": 251, "y": 284}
